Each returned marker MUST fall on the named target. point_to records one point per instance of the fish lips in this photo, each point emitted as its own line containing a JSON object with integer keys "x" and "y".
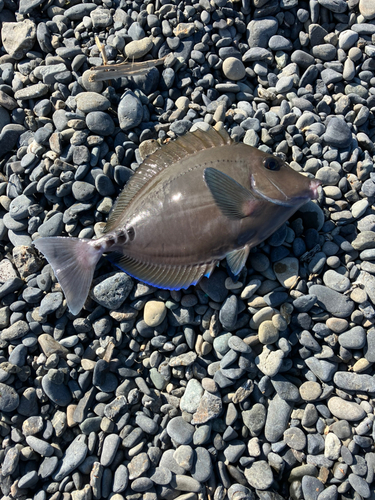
{"x": 288, "y": 202}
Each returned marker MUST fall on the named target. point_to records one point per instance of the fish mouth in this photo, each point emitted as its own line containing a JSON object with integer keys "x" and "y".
{"x": 310, "y": 194}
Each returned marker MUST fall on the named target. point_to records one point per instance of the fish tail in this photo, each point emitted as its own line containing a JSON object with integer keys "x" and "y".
{"x": 73, "y": 261}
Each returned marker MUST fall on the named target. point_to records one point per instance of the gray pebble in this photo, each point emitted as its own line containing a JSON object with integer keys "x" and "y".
{"x": 100, "y": 123}
{"x": 40, "y": 446}
{"x": 278, "y": 415}
{"x": 74, "y": 455}
{"x": 112, "y": 290}
{"x": 355, "y": 338}
{"x": 110, "y": 446}
{"x": 180, "y": 430}
{"x": 58, "y": 393}
{"x": 259, "y": 475}
{"x": 337, "y": 304}
{"x": 9, "y": 399}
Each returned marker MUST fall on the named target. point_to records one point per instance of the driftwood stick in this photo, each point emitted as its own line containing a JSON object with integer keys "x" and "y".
{"x": 126, "y": 68}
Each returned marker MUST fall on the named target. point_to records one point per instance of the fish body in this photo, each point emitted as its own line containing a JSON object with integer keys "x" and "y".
{"x": 190, "y": 204}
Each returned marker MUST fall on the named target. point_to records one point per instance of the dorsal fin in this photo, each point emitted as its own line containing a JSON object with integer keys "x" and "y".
{"x": 188, "y": 144}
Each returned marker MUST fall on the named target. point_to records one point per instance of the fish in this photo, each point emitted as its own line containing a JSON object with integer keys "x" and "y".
{"x": 193, "y": 202}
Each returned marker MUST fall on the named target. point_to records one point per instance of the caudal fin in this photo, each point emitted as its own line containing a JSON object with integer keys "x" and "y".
{"x": 73, "y": 261}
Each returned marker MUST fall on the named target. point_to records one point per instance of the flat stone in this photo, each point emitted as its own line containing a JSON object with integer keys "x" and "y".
{"x": 278, "y": 415}
{"x": 365, "y": 240}
{"x": 310, "y": 391}
{"x": 138, "y": 465}
{"x": 50, "y": 303}
{"x": 16, "y": 331}
{"x": 74, "y": 455}
{"x": 354, "y": 381}
{"x": 210, "y": 407}
{"x": 323, "y": 369}
{"x": 40, "y": 446}
{"x": 334, "y": 302}
{"x": 268, "y": 333}
{"x": 367, "y": 9}
{"x": 295, "y": 438}
{"x": 110, "y": 446}
{"x": 355, "y": 338}
{"x": 269, "y": 362}
{"x": 255, "y": 419}
{"x": 336, "y": 281}
{"x": 311, "y": 487}
{"x": 9, "y": 399}
{"x": 112, "y": 290}
{"x": 192, "y": 396}
{"x": 180, "y": 430}
{"x": 58, "y": 393}
{"x": 286, "y": 271}
{"x": 32, "y": 92}
{"x": 332, "y": 446}
{"x": 202, "y": 468}
{"x": 51, "y": 346}
{"x": 233, "y": 69}
{"x": 138, "y": 48}
{"x": 184, "y": 456}
{"x": 259, "y": 475}
{"x": 18, "y": 38}
{"x": 345, "y": 410}
{"x": 26, "y": 260}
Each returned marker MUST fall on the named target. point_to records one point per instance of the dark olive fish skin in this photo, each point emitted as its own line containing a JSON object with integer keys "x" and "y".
{"x": 176, "y": 221}
{"x": 190, "y": 204}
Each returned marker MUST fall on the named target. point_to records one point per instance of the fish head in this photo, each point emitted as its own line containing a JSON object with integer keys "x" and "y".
{"x": 275, "y": 181}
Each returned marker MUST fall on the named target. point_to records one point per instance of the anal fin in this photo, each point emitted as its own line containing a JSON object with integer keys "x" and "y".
{"x": 237, "y": 259}
{"x": 167, "y": 277}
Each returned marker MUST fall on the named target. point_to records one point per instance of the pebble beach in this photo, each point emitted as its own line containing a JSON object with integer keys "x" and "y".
{"x": 260, "y": 388}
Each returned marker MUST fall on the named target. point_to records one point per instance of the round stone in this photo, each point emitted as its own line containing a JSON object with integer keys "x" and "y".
{"x": 58, "y": 393}
{"x": 180, "y": 430}
{"x": 259, "y": 475}
{"x": 100, "y": 123}
{"x": 310, "y": 391}
{"x": 295, "y": 438}
{"x": 234, "y": 69}
{"x": 154, "y": 312}
{"x": 268, "y": 333}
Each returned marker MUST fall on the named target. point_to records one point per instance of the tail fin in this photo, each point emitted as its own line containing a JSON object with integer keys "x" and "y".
{"x": 73, "y": 261}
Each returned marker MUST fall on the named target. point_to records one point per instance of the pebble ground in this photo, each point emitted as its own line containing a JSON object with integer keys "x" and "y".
{"x": 257, "y": 389}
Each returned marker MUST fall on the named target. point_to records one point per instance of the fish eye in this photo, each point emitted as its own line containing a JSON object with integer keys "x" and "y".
{"x": 272, "y": 163}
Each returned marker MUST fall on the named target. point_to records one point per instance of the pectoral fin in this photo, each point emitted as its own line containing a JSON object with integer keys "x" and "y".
{"x": 234, "y": 201}
{"x": 237, "y": 259}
